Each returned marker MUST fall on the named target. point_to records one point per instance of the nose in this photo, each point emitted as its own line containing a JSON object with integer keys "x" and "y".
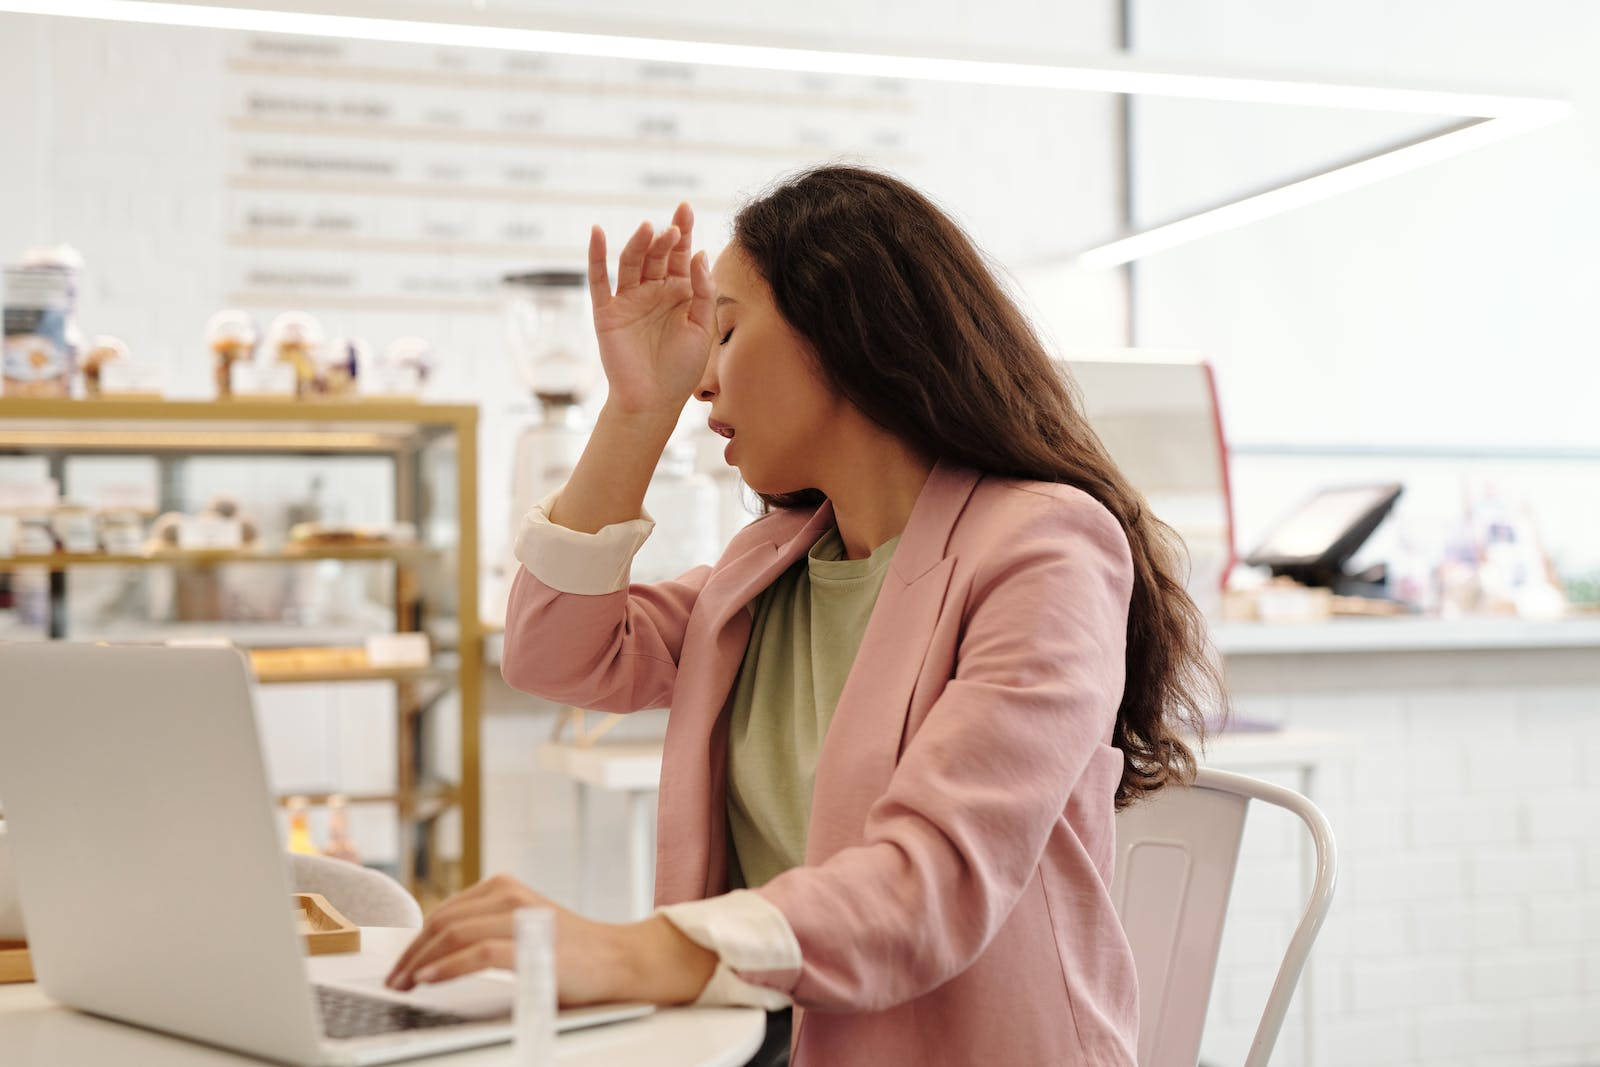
{"x": 706, "y": 388}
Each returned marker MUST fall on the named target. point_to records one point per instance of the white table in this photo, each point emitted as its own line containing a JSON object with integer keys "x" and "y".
{"x": 35, "y": 1031}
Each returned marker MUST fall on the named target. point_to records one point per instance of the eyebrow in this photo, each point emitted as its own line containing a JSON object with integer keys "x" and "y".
{"x": 725, "y": 300}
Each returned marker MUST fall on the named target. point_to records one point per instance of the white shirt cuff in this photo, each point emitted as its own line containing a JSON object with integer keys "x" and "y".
{"x": 746, "y": 931}
{"x": 575, "y": 562}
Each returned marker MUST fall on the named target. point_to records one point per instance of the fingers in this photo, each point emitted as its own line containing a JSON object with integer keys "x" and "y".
{"x": 655, "y": 260}
{"x": 631, "y": 261}
{"x": 678, "y": 261}
{"x": 446, "y": 940}
{"x": 494, "y": 952}
{"x": 647, "y": 257}
{"x": 436, "y": 926}
{"x": 702, "y": 312}
{"x": 599, "y": 278}
{"x": 497, "y": 893}
{"x": 454, "y": 939}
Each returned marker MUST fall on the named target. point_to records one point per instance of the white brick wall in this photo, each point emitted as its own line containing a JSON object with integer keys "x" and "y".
{"x": 1466, "y": 925}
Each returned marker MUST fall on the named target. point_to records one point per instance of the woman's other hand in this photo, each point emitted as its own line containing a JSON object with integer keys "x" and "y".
{"x": 474, "y": 929}
{"x": 596, "y": 963}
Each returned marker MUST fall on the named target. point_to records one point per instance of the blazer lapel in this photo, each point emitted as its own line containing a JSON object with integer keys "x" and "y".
{"x": 691, "y": 856}
{"x": 863, "y": 742}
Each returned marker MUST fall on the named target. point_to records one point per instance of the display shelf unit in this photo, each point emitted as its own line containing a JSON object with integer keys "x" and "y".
{"x": 57, "y": 561}
{"x": 435, "y": 672}
{"x": 418, "y": 438}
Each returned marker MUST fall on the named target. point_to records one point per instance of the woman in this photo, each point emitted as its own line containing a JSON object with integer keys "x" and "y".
{"x": 907, "y": 701}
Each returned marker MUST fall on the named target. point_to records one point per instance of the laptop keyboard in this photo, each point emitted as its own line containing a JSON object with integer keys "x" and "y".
{"x": 353, "y": 1015}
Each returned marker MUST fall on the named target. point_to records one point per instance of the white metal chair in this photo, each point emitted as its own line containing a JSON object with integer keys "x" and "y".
{"x": 364, "y": 896}
{"x": 1176, "y": 856}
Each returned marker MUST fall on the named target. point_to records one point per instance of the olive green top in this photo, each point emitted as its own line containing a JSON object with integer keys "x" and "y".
{"x": 806, "y": 629}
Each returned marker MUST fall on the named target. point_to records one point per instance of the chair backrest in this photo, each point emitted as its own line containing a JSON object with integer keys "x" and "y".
{"x": 1176, "y": 856}
{"x": 364, "y": 896}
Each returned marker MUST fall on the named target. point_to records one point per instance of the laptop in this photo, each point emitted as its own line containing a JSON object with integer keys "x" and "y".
{"x": 152, "y": 877}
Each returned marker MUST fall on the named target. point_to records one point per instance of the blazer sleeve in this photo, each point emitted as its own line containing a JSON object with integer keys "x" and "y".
{"x": 957, "y": 835}
{"x": 578, "y": 632}
{"x": 745, "y": 931}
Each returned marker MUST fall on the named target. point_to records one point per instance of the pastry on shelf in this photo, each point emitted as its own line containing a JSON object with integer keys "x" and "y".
{"x": 233, "y": 337}
{"x": 166, "y": 533}
{"x": 106, "y": 349}
{"x": 293, "y": 339}
{"x": 344, "y": 533}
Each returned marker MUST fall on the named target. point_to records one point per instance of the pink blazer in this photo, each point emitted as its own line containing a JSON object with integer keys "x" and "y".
{"x": 953, "y": 907}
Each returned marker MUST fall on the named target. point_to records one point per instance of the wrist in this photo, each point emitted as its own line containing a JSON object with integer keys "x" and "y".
{"x": 651, "y": 421}
{"x": 661, "y": 964}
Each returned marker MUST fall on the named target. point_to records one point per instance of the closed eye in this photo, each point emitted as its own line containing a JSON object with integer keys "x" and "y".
{"x": 726, "y": 336}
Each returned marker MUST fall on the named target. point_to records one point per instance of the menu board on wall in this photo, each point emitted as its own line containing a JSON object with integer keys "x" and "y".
{"x": 379, "y": 177}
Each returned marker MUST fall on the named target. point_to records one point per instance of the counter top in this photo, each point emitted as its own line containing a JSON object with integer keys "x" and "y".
{"x": 1405, "y": 635}
{"x": 1362, "y": 635}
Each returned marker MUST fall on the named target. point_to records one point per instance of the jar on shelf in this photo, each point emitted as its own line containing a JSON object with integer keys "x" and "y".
{"x": 35, "y": 534}
{"x": 74, "y": 529}
{"x": 122, "y": 532}
{"x": 42, "y": 340}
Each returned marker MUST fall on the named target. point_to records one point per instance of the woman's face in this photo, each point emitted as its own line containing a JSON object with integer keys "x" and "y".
{"x": 761, "y": 381}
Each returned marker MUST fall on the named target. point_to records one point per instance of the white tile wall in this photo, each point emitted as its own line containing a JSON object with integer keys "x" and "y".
{"x": 1466, "y": 924}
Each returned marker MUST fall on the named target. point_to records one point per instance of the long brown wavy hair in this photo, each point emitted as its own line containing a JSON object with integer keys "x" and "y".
{"x": 907, "y": 320}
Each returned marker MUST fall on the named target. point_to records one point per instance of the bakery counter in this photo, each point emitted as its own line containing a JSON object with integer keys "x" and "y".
{"x": 1463, "y": 794}
{"x": 1356, "y": 635}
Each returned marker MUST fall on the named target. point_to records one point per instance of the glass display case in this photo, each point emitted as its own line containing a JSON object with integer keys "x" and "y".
{"x": 312, "y": 603}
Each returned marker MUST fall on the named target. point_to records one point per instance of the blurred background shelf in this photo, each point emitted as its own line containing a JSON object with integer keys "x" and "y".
{"x": 215, "y": 557}
{"x": 427, "y": 456}
{"x": 206, "y": 427}
{"x": 440, "y": 671}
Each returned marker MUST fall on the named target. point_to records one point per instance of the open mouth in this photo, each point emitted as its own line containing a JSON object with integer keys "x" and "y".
{"x": 720, "y": 427}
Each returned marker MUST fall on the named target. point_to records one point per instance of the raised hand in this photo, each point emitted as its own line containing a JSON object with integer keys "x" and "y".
{"x": 656, "y": 329}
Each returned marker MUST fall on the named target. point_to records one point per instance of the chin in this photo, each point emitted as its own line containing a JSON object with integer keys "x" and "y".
{"x": 770, "y": 487}
{"x": 771, "y": 482}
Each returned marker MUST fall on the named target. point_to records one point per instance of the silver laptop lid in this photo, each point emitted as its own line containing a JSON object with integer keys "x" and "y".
{"x": 151, "y": 874}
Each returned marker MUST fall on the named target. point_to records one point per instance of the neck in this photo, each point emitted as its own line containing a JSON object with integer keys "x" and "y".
{"x": 873, "y": 487}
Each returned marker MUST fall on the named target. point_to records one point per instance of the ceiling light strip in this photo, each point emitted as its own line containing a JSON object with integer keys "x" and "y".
{"x": 1299, "y": 193}
{"x": 1108, "y": 77}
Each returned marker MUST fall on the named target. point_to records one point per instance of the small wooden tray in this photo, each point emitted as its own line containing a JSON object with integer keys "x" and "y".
{"x": 15, "y": 964}
{"x": 325, "y": 930}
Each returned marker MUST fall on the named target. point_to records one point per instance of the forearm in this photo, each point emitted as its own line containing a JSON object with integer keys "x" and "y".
{"x": 660, "y": 964}
{"x": 609, "y": 481}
